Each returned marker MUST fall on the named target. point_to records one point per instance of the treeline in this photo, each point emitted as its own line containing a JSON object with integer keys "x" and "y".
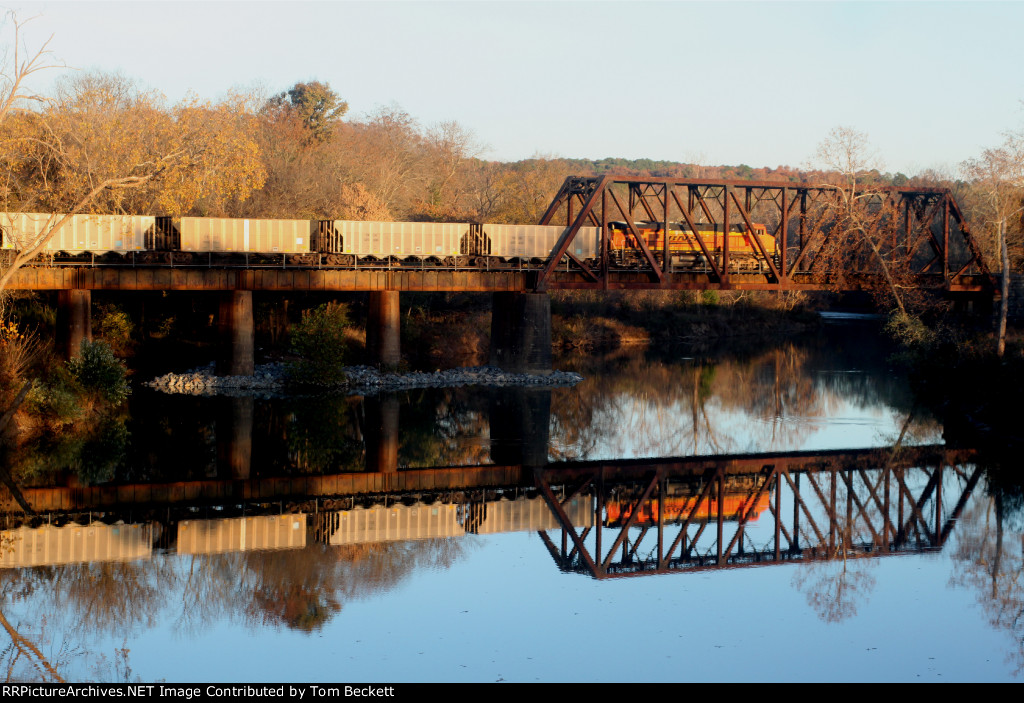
{"x": 102, "y": 143}
{"x": 675, "y": 169}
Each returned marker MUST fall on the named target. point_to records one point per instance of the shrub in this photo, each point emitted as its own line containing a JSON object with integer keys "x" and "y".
{"x": 56, "y": 397}
{"x": 910, "y": 331}
{"x": 115, "y": 328}
{"x": 319, "y": 339}
{"x": 18, "y": 352}
{"x": 98, "y": 371}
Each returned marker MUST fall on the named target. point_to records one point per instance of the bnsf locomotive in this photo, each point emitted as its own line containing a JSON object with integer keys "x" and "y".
{"x": 145, "y": 239}
{"x": 684, "y": 245}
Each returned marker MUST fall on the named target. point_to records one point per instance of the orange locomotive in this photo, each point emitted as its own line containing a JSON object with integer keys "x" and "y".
{"x": 685, "y": 250}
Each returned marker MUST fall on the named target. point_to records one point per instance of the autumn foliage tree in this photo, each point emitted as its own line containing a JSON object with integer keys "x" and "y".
{"x": 316, "y": 106}
{"x": 104, "y": 145}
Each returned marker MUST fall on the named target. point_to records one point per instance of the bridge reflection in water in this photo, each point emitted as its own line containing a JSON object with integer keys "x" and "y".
{"x": 605, "y": 519}
{"x": 848, "y": 506}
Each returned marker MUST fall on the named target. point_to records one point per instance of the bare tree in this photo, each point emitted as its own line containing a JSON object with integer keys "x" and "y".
{"x": 848, "y": 153}
{"x": 386, "y": 155}
{"x": 850, "y": 219}
{"x": 999, "y": 176}
{"x": 18, "y": 64}
{"x": 449, "y": 146}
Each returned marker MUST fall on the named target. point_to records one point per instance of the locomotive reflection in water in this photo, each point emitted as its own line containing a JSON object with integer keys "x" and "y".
{"x": 208, "y": 241}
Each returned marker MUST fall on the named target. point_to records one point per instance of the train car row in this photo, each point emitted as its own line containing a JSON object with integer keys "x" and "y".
{"x": 344, "y": 243}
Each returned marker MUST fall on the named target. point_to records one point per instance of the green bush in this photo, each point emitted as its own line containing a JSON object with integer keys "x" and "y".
{"x": 319, "y": 339}
{"x": 910, "y": 331}
{"x": 98, "y": 371}
{"x": 115, "y": 327}
{"x": 56, "y": 397}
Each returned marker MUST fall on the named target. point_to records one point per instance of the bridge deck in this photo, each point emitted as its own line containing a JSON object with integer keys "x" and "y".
{"x": 162, "y": 278}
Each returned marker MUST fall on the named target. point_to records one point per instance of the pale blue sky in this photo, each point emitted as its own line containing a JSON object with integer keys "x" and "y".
{"x": 759, "y": 83}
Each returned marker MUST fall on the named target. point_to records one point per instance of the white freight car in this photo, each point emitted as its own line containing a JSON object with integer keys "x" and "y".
{"x": 76, "y": 234}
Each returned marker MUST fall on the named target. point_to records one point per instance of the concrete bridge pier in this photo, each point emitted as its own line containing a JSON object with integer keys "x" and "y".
{"x": 383, "y": 329}
{"x": 235, "y": 356}
{"x": 74, "y": 321}
{"x": 521, "y": 332}
{"x": 380, "y": 432}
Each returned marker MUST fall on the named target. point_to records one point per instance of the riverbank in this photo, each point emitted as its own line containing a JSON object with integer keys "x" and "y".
{"x": 956, "y": 373}
{"x": 586, "y": 321}
{"x": 272, "y": 379}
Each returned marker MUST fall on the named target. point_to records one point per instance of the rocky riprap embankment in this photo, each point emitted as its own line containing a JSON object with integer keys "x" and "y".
{"x": 272, "y": 379}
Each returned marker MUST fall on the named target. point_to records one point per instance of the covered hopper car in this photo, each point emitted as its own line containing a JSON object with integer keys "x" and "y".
{"x": 50, "y": 545}
{"x": 77, "y": 234}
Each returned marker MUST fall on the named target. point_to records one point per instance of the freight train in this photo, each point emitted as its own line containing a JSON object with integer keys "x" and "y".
{"x": 141, "y": 239}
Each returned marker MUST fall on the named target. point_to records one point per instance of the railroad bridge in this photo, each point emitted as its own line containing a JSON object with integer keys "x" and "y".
{"x": 821, "y": 237}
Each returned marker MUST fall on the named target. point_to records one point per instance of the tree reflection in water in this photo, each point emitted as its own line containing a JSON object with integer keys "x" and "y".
{"x": 299, "y": 589}
{"x": 835, "y": 589}
{"x": 705, "y": 406}
{"x": 989, "y": 558}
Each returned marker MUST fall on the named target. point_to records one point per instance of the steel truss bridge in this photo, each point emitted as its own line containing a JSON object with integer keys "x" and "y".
{"x": 825, "y": 236}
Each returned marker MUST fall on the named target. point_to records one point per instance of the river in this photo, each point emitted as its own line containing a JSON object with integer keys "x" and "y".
{"x": 806, "y": 547}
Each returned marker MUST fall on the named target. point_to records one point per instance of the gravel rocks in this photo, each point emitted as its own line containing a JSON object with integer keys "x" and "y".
{"x": 272, "y": 379}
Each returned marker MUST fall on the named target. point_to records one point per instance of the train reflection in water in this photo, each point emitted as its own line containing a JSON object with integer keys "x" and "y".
{"x": 48, "y": 545}
{"x": 241, "y": 534}
{"x": 612, "y": 518}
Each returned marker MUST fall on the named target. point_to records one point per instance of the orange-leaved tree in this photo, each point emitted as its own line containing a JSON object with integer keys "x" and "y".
{"x": 102, "y": 144}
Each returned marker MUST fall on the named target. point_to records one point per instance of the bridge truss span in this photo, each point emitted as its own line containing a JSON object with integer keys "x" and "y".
{"x": 689, "y": 233}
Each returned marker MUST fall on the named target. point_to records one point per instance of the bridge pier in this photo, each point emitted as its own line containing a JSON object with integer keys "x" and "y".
{"x": 521, "y": 332}
{"x": 380, "y": 433}
{"x": 235, "y": 328}
{"x": 234, "y": 437}
{"x": 383, "y": 329}
{"x": 74, "y": 321}
{"x": 520, "y": 420}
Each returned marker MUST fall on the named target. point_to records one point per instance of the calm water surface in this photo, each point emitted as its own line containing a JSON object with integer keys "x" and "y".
{"x": 903, "y": 567}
